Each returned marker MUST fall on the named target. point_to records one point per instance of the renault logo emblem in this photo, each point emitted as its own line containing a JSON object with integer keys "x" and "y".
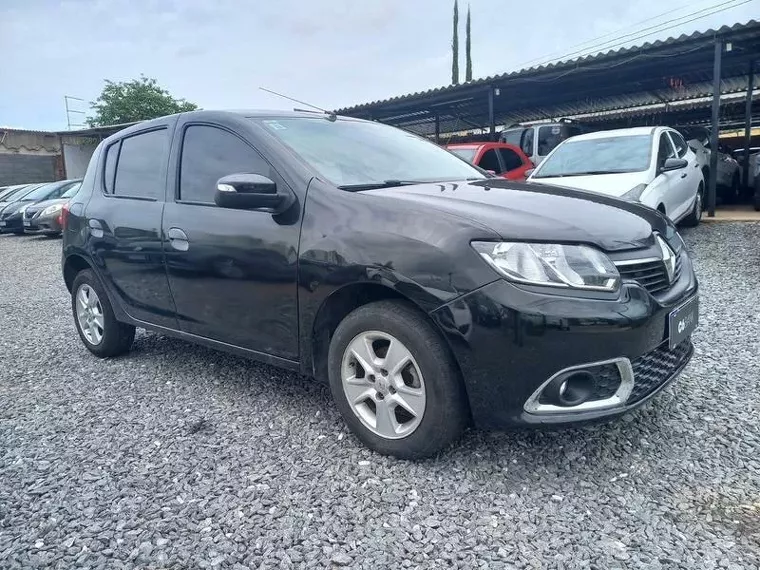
{"x": 668, "y": 258}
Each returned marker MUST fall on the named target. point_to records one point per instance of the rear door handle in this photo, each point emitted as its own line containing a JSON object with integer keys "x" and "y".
{"x": 683, "y": 175}
{"x": 96, "y": 229}
{"x": 178, "y": 239}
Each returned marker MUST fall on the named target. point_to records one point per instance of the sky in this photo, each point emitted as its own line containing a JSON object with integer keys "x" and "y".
{"x": 331, "y": 53}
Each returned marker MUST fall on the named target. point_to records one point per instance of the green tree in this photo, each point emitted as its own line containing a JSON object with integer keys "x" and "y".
{"x": 468, "y": 49}
{"x": 455, "y": 47}
{"x": 136, "y": 100}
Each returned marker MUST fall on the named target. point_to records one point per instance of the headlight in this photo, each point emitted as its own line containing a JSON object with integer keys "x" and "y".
{"x": 634, "y": 194}
{"x": 50, "y": 210}
{"x": 555, "y": 265}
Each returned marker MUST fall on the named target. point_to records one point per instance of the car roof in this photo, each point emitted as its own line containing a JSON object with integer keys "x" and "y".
{"x": 211, "y": 115}
{"x": 630, "y": 132}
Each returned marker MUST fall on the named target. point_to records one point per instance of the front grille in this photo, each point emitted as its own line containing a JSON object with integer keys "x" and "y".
{"x": 651, "y": 274}
{"x": 654, "y": 368}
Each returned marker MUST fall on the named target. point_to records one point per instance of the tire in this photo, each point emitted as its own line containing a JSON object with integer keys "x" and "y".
{"x": 115, "y": 337}
{"x": 694, "y": 217}
{"x": 444, "y": 410}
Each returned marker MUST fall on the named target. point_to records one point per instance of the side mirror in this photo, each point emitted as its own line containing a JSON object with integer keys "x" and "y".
{"x": 674, "y": 164}
{"x": 250, "y": 192}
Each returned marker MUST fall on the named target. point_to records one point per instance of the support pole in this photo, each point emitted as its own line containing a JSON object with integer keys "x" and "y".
{"x": 437, "y": 129}
{"x": 712, "y": 187}
{"x": 491, "y": 120}
{"x": 748, "y": 122}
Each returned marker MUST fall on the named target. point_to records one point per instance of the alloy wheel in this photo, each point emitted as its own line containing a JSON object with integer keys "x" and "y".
{"x": 90, "y": 314}
{"x": 383, "y": 384}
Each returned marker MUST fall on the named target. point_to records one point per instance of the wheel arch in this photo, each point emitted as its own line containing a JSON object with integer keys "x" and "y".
{"x": 74, "y": 264}
{"x": 335, "y": 307}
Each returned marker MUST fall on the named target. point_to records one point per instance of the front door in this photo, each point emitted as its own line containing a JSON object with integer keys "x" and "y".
{"x": 124, "y": 224}
{"x": 666, "y": 181}
{"x": 686, "y": 180}
{"x": 232, "y": 273}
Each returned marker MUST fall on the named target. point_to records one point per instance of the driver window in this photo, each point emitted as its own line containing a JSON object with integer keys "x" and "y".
{"x": 666, "y": 150}
{"x": 489, "y": 161}
{"x": 679, "y": 143}
{"x": 527, "y": 141}
{"x": 208, "y": 154}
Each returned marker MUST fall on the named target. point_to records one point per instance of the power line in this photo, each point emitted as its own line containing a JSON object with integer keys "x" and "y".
{"x": 675, "y": 25}
{"x": 612, "y": 33}
{"x": 657, "y": 28}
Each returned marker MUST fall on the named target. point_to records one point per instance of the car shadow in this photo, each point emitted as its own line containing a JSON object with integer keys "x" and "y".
{"x": 584, "y": 447}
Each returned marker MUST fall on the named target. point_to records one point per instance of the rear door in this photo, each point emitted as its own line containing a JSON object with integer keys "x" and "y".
{"x": 123, "y": 219}
{"x": 232, "y": 272}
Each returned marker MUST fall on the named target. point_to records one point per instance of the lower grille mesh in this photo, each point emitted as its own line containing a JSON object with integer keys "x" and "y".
{"x": 651, "y": 370}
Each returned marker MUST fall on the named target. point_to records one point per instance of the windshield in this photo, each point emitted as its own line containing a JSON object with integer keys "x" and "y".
{"x": 72, "y": 191}
{"x": 41, "y": 192}
{"x": 513, "y": 136}
{"x": 19, "y": 193}
{"x": 355, "y": 153}
{"x": 598, "y": 156}
{"x": 467, "y": 154}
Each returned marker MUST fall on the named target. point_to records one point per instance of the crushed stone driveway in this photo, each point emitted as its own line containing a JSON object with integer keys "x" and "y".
{"x": 179, "y": 457}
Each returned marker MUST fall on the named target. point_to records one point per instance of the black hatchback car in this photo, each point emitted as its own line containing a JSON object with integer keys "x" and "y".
{"x": 426, "y": 293}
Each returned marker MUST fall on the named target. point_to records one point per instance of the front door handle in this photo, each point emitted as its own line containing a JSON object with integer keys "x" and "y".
{"x": 178, "y": 239}
{"x": 96, "y": 229}
{"x": 683, "y": 175}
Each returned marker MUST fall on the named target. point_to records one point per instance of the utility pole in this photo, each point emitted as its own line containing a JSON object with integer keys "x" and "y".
{"x": 69, "y": 110}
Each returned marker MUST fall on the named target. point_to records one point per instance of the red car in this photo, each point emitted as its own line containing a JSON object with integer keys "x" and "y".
{"x": 504, "y": 159}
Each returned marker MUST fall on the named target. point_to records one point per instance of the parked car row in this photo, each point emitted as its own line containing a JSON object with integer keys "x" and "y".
{"x": 35, "y": 208}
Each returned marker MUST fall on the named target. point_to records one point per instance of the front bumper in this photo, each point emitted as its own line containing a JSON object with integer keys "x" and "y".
{"x": 509, "y": 341}
{"x": 12, "y": 224}
{"x": 45, "y": 224}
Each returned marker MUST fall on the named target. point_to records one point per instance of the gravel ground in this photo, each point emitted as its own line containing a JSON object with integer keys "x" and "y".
{"x": 179, "y": 457}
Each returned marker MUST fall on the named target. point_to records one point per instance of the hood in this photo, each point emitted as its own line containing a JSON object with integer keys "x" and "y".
{"x": 39, "y": 206}
{"x": 609, "y": 184}
{"x": 538, "y": 212}
{"x": 11, "y": 207}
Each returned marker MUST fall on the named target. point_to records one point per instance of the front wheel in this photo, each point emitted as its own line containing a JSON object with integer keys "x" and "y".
{"x": 695, "y": 215}
{"x": 395, "y": 382}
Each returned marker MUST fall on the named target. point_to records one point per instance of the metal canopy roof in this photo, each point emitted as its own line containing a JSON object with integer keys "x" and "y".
{"x": 672, "y": 76}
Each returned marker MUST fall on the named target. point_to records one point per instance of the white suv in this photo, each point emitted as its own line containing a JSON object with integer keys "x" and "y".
{"x": 650, "y": 165}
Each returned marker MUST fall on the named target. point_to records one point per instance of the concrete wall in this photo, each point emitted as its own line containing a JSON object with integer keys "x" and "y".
{"x": 28, "y": 168}
{"x": 34, "y": 156}
{"x": 76, "y": 158}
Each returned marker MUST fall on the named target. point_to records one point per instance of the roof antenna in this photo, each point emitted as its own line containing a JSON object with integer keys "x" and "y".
{"x": 330, "y": 115}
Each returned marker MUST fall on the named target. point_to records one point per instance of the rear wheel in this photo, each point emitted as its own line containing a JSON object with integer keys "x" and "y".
{"x": 96, "y": 324}
{"x": 695, "y": 215}
{"x": 395, "y": 382}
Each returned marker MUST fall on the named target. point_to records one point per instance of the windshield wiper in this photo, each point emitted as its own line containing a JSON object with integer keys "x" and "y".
{"x": 376, "y": 185}
{"x": 587, "y": 173}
